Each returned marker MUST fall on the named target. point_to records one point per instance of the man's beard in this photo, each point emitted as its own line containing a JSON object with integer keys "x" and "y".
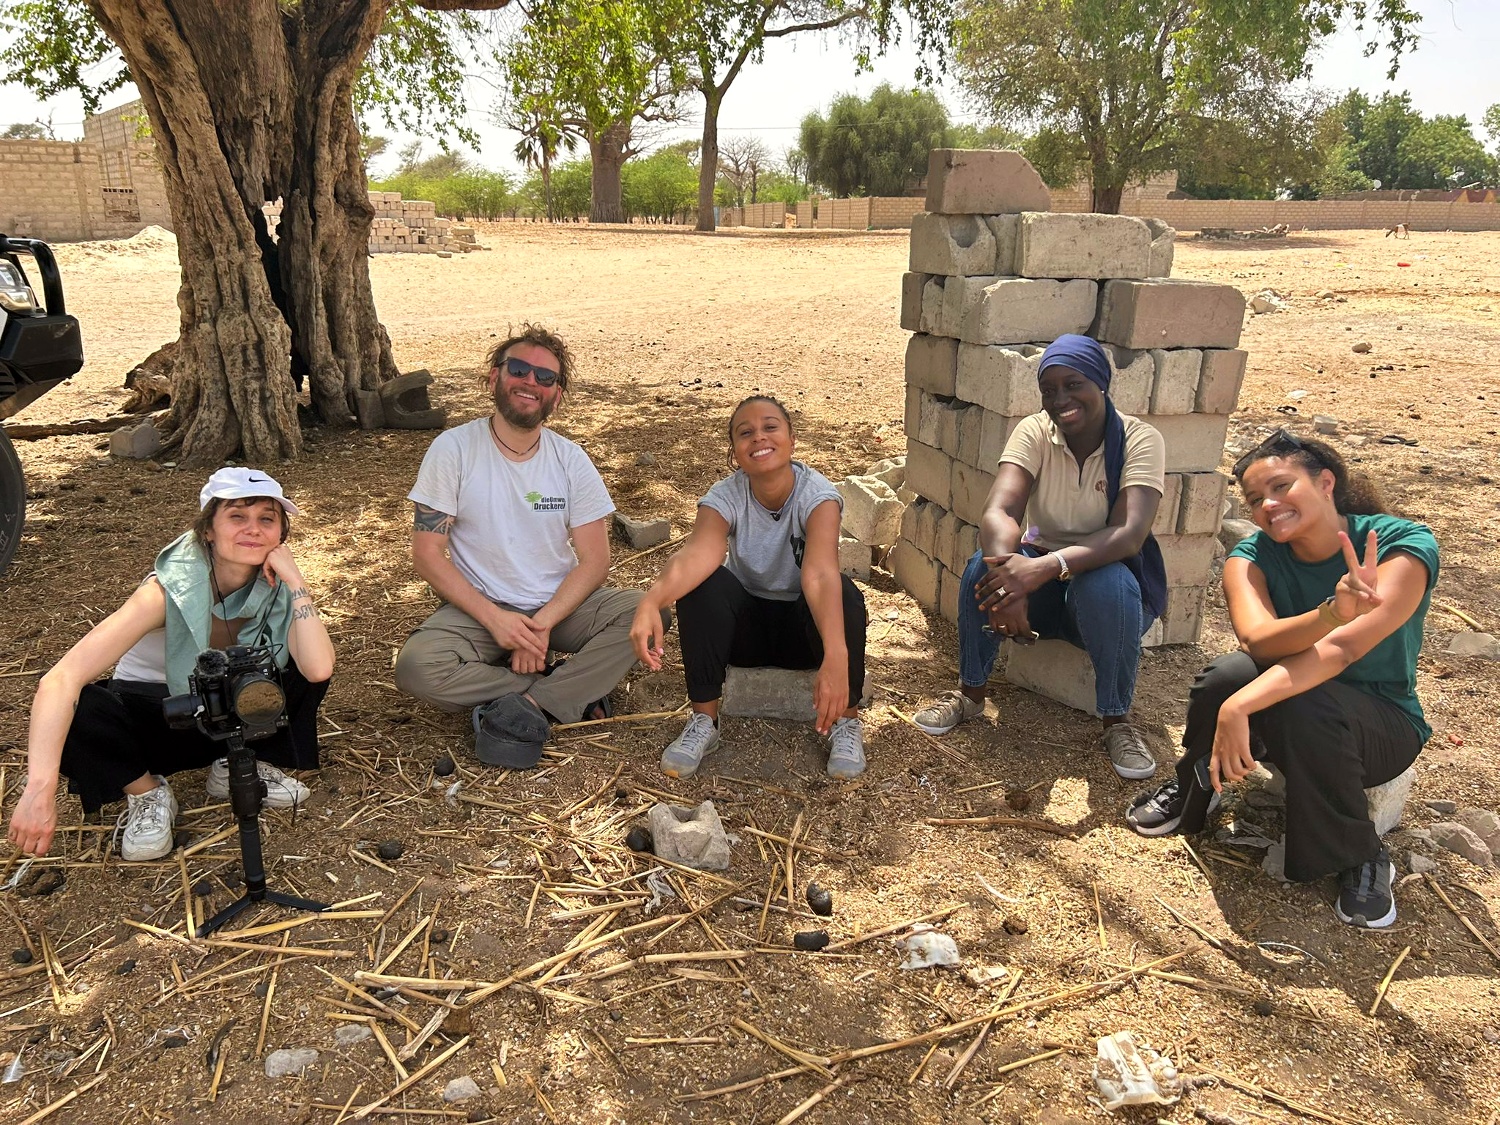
{"x": 521, "y": 421}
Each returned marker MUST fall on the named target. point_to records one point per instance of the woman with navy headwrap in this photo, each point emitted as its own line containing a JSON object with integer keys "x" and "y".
{"x": 1065, "y": 548}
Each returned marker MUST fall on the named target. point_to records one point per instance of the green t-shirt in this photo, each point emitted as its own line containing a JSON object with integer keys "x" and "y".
{"x": 1389, "y": 670}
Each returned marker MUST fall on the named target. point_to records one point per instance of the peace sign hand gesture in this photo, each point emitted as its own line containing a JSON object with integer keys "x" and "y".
{"x": 1356, "y": 594}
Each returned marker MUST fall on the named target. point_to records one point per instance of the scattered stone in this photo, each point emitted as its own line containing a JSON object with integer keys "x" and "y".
{"x": 204, "y": 888}
{"x": 1274, "y": 863}
{"x": 692, "y": 837}
{"x": 1441, "y": 807}
{"x": 1482, "y": 645}
{"x": 1420, "y": 864}
{"x": 1014, "y": 924}
{"x": 773, "y": 693}
{"x": 1362, "y": 347}
{"x": 461, "y": 1089}
{"x": 810, "y": 941}
{"x": 638, "y": 840}
{"x": 182, "y": 838}
{"x": 981, "y": 975}
{"x": 1267, "y": 301}
{"x": 440, "y": 936}
{"x": 289, "y": 1062}
{"x": 927, "y": 948}
{"x": 1463, "y": 840}
{"x": 1325, "y": 424}
{"x": 390, "y": 849}
{"x": 126, "y": 967}
{"x": 646, "y": 460}
{"x": 174, "y": 1041}
{"x": 1018, "y": 799}
{"x": 820, "y": 900}
{"x": 21, "y": 956}
{"x": 135, "y": 443}
{"x": 1484, "y": 824}
{"x": 1325, "y": 294}
{"x": 352, "y": 1033}
{"x": 1263, "y": 1007}
{"x": 1232, "y": 531}
{"x": 641, "y": 534}
{"x": 1297, "y": 395}
{"x": 443, "y": 767}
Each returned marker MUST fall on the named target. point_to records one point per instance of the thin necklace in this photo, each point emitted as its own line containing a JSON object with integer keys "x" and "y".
{"x": 494, "y": 433}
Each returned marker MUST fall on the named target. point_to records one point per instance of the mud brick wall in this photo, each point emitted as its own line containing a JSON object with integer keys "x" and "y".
{"x": 994, "y": 277}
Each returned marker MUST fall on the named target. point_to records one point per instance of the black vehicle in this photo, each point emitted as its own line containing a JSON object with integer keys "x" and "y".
{"x": 40, "y": 346}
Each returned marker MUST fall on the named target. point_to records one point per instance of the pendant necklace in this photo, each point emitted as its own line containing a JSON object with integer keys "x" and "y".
{"x": 494, "y": 433}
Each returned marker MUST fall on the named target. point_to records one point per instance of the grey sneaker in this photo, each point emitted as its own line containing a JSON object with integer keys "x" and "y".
{"x": 1128, "y": 751}
{"x": 282, "y": 790}
{"x": 846, "y": 749}
{"x": 148, "y": 823}
{"x": 683, "y": 756}
{"x": 950, "y": 709}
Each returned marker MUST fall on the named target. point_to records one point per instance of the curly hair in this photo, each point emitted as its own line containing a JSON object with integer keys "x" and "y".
{"x": 540, "y": 337}
{"x": 1353, "y": 493}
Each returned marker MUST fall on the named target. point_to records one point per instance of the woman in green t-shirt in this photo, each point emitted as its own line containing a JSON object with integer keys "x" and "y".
{"x": 1324, "y": 686}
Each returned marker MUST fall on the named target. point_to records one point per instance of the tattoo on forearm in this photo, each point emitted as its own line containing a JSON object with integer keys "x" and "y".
{"x": 430, "y": 519}
{"x": 308, "y": 610}
{"x": 300, "y": 592}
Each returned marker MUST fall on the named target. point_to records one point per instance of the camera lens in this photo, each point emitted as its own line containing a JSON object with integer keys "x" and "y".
{"x": 259, "y": 702}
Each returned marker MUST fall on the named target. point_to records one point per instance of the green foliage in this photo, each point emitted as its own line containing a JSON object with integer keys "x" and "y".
{"x": 777, "y": 186}
{"x": 874, "y": 146}
{"x": 1126, "y": 89}
{"x": 472, "y": 193}
{"x": 28, "y": 131}
{"x": 572, "y": 184}
{"x": 56, "y": 46}
{"x": 1273, "y": 144}
{"x": 973, "y": 135}
{"x": 662, "y": 187}
{"x": 1389, "y": 141}
{"x": 1491, "y": 123}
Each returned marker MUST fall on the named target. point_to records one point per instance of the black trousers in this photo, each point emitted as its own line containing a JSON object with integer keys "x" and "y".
{"x": 721, "y": 623}
{"x": 118, "y": 733}
{"x": 1331, "y": 743}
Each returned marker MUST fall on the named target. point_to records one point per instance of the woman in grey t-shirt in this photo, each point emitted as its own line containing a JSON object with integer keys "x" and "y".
{"x": 758, "y": 585}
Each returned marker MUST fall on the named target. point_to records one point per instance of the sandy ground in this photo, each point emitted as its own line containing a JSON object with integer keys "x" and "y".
{"x": 671, "y": 330}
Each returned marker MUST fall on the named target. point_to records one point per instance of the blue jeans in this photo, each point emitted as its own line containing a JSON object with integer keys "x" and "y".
{"x": 1098, "y": 611}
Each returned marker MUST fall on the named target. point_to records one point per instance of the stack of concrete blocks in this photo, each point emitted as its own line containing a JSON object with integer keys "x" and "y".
{"x": 873, "y": 503}
{"x": 406, "y": 226}
{"x": 995, "y": 277}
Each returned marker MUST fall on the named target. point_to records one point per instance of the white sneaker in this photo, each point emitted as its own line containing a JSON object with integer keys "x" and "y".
{"x": 282, "y": 790}
{"x": 950, "y": 709}
{"x": 682, "y": 757}
{"x": 846, "y": 749}
{"x": 148, "y": 822}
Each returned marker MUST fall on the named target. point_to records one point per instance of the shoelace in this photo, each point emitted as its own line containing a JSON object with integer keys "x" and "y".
{"x": 151, "y": 810}
{"x": 697, "y": 735}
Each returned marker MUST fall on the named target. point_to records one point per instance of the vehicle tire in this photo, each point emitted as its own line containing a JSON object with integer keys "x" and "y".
{"x": 12, "y": 501}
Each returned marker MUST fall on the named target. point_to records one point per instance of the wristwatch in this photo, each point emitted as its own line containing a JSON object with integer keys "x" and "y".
{"x": 1329, "y": 614}
{"x": 1064, "y": 571}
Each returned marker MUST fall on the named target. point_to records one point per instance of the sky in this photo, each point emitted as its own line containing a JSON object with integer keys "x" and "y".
{"x": 1448, "y": 74}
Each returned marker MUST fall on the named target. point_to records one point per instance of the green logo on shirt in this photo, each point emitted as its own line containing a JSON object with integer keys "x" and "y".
{"x": 540, "y": 503}
{"x": 533, "y": 497}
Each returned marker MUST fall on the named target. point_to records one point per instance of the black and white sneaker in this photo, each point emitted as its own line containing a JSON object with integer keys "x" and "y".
{"x": 1160, "y": 812}
{"x": 1365, "y": 895}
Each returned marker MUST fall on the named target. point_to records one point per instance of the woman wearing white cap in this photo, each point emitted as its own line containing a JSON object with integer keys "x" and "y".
{"x": 229, "y": 580}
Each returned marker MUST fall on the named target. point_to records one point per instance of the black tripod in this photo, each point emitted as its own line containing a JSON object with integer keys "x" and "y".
{"x": 246, "y": 791}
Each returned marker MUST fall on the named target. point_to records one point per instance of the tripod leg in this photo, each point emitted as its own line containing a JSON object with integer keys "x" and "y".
{"x": 233, "y": 910}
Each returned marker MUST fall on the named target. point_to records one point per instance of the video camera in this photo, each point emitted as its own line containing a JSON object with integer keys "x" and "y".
{"x": 233, "y": 692}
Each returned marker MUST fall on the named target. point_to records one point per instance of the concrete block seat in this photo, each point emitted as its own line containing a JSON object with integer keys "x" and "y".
{"x": 773, "y": 693}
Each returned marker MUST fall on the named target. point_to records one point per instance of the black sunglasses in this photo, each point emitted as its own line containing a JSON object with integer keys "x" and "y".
{"x": 519, "y": 369}
{"x": 1282, "y": 441}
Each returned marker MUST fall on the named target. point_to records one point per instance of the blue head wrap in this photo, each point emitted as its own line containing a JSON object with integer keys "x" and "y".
{"x": 1085, "y": 355}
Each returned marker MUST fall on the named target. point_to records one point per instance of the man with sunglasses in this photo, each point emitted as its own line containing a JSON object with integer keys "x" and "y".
{"x": 511, "y": 531}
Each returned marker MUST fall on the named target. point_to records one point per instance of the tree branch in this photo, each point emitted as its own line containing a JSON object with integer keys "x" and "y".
{"x": 461, "y": 5}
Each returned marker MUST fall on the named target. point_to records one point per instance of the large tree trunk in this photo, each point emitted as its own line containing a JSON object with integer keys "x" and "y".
{"x": 1106, "y": 198}
{"x": 607, "y": 159}
{"x": 250, "y": 102}
{"x": 708, "y": 168}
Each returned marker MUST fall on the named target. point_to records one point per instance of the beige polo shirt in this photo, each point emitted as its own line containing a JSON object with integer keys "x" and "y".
{"x": 1069, "y": 502}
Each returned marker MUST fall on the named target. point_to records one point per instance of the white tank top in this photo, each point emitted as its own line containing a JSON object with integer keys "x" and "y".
{"x": 146, "y": 662}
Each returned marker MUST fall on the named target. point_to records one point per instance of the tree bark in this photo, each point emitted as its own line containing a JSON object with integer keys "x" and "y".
{"x": 708, "y": 157}
{"x": 1106, "y": 199}
{"x": 251, "y": 102}
{"x": 607, "y": 160}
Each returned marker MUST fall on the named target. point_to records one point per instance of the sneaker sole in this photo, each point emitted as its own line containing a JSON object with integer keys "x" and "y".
{"x": 1165, "y": 828}
{"x": 933, "y": 730}
{"x": 268, "y": 802}
{"x": 1139, "y": 773}
{"x": 1359, "y": 921}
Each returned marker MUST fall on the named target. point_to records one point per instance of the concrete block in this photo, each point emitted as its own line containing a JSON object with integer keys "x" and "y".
{"x": 1022, "y": 310}
{"x": 913, "y": 416}
{"x": 773, "y": 693}
{"x": 1174, "y": 389}
{"x": 1007, "y": 232}
{"x": 1166, "y": 511}
{"x": 960, "y": 295}
{"x": 1130, "y": 386}
{"x": 135, "y": 443}
{"x": 1065, "y": 245}
{"x": 937, "y": 422}
{"x": 1202, "y": 503}
{"x": 912, "y": 285}
{"x": 983, "y": 182}
{"x": 641, "y": 534}
{"x": 970, "y": 432}
{"x": 892, "y": 470}
{"x": 690, "y": 837}
{"x": 369, "y": 410}
{"x": 965, "y": 544}
{"x": 943, "y": 542}
{"x": 1163, "y": 246}
{"x": 1001, "y": 379}
{"x": 1195, "y": 442}
{"x": 929, "y": 472}
{"x": 872, "y": 514}
{"x": 953, "y": 245}
{"x": 1055, "y": 669}
{"x": 1182, "y": 622}
{"x": 931, "y": 318}
{"x": 948, "y": 594}
{"x": 854, "y": 558}
{"x": 1219, "y": 380}
{"x": 1232, "y": 531}
{"x": 1170, "y": 313}
{"x": 919, "y": 523}
{"x": 932, "y": 364}
{"x": 919, "y": 575}
{"x": 994, "y": 432}
{"x": 1188, "y": 558}
{"x": 1384, "y": 803}
{"x": 970, "y": 489}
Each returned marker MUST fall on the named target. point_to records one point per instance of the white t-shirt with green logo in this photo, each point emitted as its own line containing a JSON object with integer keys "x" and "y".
{"x": 510, "y": 535}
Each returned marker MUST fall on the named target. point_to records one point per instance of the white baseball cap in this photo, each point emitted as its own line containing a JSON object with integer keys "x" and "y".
{"x": 244, "y": 484}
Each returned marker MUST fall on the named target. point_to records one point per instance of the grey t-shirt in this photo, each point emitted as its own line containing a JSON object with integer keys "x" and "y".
{"x": 765, "y": 550}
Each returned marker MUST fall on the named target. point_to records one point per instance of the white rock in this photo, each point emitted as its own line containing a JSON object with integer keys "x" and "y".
{"x": 1474, "y": 644}
{"x": 291, "y": 1061}
{"x": 461, "y": 1089}
{"x": 352, "y": 1033}
{"x": 926, "y": 948}
{"x": 1462, "y": 840}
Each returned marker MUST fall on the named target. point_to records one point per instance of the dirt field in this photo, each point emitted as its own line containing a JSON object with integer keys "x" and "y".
{"x": 509, "y": 871}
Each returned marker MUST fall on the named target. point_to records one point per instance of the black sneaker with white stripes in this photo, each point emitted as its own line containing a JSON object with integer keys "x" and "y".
{"x": 1365, "y": 895}
{"x": 1160, "y": 811}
